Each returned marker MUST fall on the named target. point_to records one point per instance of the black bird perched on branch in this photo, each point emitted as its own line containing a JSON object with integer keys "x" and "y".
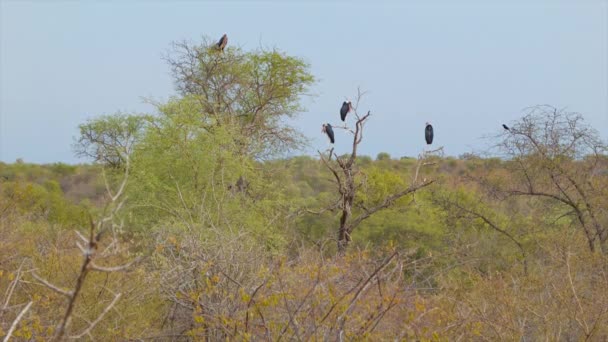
{"x": 346, "y": 107}
{"x": 428, "y": 133}
{"x": 222, "y": 43}
{"x": 329, "y": 131}
{"x": 505, "y": 127}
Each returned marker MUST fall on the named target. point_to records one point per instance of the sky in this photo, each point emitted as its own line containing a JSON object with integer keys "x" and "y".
{"x": 464, "y": 66}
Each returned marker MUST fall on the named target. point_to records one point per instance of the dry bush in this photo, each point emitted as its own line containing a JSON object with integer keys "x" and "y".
{"x": 50, "y": 253}
{"x": 63, "y": 284}
{"x": 562, "y": 298}
{"x": 224, "y": 290}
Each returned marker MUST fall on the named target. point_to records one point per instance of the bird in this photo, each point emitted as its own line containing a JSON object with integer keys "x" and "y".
{"x": 346, "y": 107}
{"x": 505, "y": 127}
{"x": 221, "y": 44}
{"x": 329, "y": 131}
{"x": 428, "y": 133}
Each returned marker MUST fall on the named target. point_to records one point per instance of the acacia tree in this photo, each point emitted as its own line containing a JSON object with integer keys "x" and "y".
{"x": 110, "y": 139}
{"x": 349, "y": 181}
{"x": 554, "y": 156}
{"x": 252, "y": 91}
{"x": 248, "y": 93}
{"x": 230, "y": 111}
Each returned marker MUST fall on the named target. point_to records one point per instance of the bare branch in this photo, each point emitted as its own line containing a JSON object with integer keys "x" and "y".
{"x": 389, "y": 201}
{"x": 115, "y": 268}
{"x": 578, "y": 302}
{"x": 82, "y": 237}
{"x": 51, "y": 286}
{"x": 87, "y": 331}
{"x": 363, "y": 287}
{"x": 11, "y": 288}
{"x": 16, "y": 321}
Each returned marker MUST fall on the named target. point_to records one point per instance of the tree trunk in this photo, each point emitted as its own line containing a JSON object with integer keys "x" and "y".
{"x": 344, "y": 231}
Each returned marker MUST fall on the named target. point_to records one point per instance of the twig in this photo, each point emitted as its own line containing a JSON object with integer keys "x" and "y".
{"x": 251, "y": 302}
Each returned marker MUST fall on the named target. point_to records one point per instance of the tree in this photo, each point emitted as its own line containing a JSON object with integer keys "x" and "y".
{"x": 349, "y": 181}
{"x": 383, "y": 156}
{"x": 110, "y": 139}
{"x": 253, "y": 91}
{"x": 554, "y": 156}
{"x": 230, "y": 111}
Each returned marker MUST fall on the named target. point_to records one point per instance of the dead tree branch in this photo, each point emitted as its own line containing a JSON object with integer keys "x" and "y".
{"x": 345, "y": 173}
{"x": 87, "y": 331}
{"x": 89, "y": 246}
{"x": 16, "y": 321}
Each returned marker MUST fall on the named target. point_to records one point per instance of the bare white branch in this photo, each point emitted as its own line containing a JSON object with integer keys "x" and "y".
{"x": 16, "y": 321}
{"x": 91, "y": 326}
{"x": 82, "y": 249}
{"x": 51, "y": 286}
{"x": 11, "y": 288}
{"x": 82, "y": 237}
{"x": 114, "y": 268}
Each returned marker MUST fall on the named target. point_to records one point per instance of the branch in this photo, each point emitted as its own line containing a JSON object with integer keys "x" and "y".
{"x": 335, "y": 173}
{"x": 255, "y": 292}
{"x": 495, "y": 227}
{"x": 302, "y": 210}
{"x": 310, "y": 291}
{"x": 87, "y": 331}
{"x": 357, "y": 137}
{"x": 115, "y": 268}
{"x": 11, "y": 288}
{"x": 122, "y": 184}
{"x": 542, "y": 194}
{"x": 575, "y": 207}
{"x": 578, "y": 302}
{"x": 51, "y": 286}
{"x": 16, "y": 321}
{"x": 387, "y": 202}
{"x": 421, "y": 157}
{"x": 342, "y": 318}
{"x": 291, "y": 321}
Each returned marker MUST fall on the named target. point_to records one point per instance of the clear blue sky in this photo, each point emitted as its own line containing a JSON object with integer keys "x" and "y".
{"x": 465, "y": 66}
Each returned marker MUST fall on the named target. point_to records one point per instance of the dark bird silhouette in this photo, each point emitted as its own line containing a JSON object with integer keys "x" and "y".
{"x": 222, "y": 43}
{"x": 346, "y": 107}
{"x": 428, "y": 133}
{"x": 505, "y": 127}
{"x": 329, "y": 131}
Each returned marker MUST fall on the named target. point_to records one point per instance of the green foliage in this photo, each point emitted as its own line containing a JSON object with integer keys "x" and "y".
{"x": 214, "y": 245}
{"x": 383, "y": 156}
{"x": 250, "y": 92}
{"x": 239, "y": 246}
{"x": 41, "y": 202}
{"x": 110, "y": 139}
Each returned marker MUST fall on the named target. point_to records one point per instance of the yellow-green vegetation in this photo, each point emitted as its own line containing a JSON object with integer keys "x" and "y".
{"x": 255, "y": 266}
{"x": 191, "y": 225}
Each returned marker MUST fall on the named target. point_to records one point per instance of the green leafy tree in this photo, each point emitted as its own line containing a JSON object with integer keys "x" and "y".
{"x": 110, "y": 139}
{"x": 250, "y": 91}
{"x": 383, "y": 156}
{"x": 202, "y": 147}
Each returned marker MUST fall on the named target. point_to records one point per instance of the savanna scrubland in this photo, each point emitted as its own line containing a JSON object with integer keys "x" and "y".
{"x": 191, "y": 224}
